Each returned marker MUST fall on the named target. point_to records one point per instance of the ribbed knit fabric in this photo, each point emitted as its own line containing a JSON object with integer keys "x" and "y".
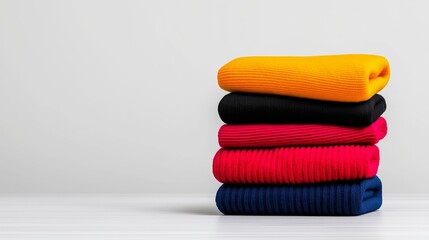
{"x": 331, "y": 198}
{"x": 296, "y": 165}
{"x": 342, "y": 78}
{"x": 280, "y": 135}
{"x": 245, "y": 108}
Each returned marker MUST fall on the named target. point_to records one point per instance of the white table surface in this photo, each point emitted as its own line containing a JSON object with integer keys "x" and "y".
{"x": 195, "y": 217}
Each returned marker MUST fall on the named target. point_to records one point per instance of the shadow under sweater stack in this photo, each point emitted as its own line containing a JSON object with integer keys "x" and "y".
{"x": 300, "y": 135}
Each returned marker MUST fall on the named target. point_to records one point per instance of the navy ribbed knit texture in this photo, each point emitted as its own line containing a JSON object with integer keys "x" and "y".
{"x": 329, "y": 198}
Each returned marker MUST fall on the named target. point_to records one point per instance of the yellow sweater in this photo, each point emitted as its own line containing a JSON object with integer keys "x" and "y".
{"x": 342, "y": 78}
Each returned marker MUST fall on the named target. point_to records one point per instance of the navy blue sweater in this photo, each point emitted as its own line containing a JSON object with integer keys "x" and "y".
{"x": 329, "y": 198}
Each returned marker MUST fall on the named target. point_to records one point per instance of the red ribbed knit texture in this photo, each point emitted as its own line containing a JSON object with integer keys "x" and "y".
{"x": 294, "y": 165}
{"x": 276, "y": 135}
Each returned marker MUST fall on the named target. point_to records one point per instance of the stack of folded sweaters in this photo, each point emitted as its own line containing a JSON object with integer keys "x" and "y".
{"x": 299, "y": 135}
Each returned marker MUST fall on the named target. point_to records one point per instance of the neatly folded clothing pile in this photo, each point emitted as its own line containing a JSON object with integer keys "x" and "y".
{"x": 299, "y": 135}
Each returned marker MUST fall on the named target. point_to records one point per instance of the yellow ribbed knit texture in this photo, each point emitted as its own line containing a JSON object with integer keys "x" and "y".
{"x": 342, "y": 78}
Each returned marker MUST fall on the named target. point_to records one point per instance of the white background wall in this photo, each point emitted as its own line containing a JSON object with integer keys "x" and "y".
{"x": 121, "y": 96}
